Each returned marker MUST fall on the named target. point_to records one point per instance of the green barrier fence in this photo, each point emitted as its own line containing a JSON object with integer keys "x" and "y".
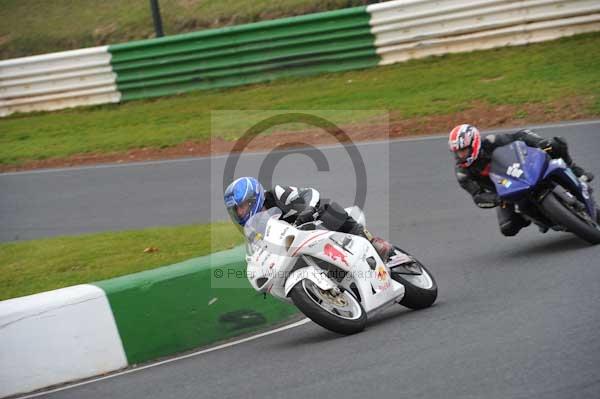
{"x": 323, "y": 42}
{"x": 176, "y": 308}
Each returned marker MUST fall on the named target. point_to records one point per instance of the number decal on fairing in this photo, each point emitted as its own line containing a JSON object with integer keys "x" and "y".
{"x": 514, "y": 170}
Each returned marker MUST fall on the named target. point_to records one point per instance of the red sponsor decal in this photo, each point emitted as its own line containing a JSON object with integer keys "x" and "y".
{"x": 335, "y": 253}
{"x": 381, "y": 274}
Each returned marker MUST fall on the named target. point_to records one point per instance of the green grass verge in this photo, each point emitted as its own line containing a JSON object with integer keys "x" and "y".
{"x": 41, "y": 26}
{"x": 40, "y": 265}
{"x": 539, "y": 73}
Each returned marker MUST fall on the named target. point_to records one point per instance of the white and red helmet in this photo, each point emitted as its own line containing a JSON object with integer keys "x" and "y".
{"x": 465, "y": 143}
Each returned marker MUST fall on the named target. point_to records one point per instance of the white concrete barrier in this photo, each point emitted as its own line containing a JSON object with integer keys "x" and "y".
{"x": 55, "y": 337}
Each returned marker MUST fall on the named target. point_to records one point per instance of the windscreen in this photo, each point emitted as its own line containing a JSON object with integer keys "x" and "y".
{"x": 506, "y": 156}
{"x": 255, "y": 227}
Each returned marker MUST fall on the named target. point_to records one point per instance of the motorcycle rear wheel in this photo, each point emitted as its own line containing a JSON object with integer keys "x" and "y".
{"x": 564, "y": 216}
{"x": 341, "y": 313}
{"x": 420, "y": 289}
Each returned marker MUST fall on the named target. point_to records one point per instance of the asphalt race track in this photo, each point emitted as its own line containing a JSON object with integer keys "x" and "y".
{"x": 114, "y": 197}
{"x": 515, "y": 317}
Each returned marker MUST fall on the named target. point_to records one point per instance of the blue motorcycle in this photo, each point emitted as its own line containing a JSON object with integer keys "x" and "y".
{"x": 545, "y": 191}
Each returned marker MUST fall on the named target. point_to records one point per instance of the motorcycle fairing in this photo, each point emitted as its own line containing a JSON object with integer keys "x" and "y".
{"x": 516, "y": 169}
{"x": 266, "y": 248}
{"x": 310, "y": 272}
{"x": 275, "y": 247}
{"x": 375, "y": 286}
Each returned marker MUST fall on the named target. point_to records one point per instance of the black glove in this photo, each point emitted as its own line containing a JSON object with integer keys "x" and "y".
{"x": 560, "y": 149}
{"x": 547, "y": 145}
{"x": 305, "y": 216}
{"x": 486, "y": 199}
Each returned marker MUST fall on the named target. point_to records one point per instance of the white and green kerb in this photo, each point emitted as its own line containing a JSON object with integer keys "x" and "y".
{"x": 91, "y": 329}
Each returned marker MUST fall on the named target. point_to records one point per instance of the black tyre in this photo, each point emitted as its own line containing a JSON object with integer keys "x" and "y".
{"x": 420, "y": 287}
{"x": 566, "y": 216}
{"x": 341, "y": 313}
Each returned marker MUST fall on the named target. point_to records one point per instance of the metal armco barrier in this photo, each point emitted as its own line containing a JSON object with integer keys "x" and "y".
{"x": 415, "y": 29}
{"x": 323, "y": 42}
{"x": 352, "y": 38}
{"x": 58, "y": 80}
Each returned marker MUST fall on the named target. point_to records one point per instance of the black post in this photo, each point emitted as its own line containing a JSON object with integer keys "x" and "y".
{"x": 156, "y": 17}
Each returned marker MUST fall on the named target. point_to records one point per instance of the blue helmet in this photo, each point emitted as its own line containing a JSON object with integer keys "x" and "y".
{"x": 244, "y": 198}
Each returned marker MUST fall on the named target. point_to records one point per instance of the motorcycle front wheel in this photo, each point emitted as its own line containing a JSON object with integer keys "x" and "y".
{"x": 420, "y": 287}
{"x": 339, "y": 312}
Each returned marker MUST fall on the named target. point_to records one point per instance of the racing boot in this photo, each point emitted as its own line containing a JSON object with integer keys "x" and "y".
{"x": 582, "y": 174}
{"x": 383, "y": 247}
{"x": 510, "y": 222}
{"x": 391, "y": 256}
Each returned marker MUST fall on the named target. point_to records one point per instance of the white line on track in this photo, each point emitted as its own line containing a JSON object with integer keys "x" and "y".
{"x": 329, "y": 146}
{"x": 174, "y": 359}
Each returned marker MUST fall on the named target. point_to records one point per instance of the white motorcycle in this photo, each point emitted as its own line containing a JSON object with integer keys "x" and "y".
{"x": 336, "y": 279}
